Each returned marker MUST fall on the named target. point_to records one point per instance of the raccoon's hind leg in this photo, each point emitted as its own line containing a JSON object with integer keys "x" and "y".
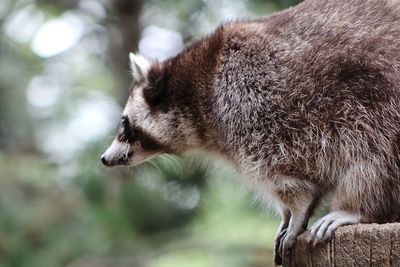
{"x": 360, "y": 197}
{"x": 323, "y": 229}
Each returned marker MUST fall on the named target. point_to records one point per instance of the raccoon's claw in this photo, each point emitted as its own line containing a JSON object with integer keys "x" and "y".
{"x": 325, "y": 227}
{"x": 278, "y": 242}
{"x": 281, "y": 235}
{"x": 288, "y": 241}
{"x": 277, "y": 258}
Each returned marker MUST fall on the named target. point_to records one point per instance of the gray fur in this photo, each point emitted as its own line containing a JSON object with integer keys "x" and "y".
{"x": 304, "y": 103}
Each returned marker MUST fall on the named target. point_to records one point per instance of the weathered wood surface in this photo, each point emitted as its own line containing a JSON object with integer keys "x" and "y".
{"x": 361, "y": 245}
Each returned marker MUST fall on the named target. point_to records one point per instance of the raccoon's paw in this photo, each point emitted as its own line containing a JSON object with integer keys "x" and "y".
{"x": 324, "y": 228}
{"x": 277, "y": 252}
{"x": 287, "y": 242}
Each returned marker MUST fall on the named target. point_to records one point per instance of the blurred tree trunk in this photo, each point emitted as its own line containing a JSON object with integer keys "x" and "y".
{"x": 124, "y": 39}
{"x": 124, "y": 35}
{"x": 16, "y": 129}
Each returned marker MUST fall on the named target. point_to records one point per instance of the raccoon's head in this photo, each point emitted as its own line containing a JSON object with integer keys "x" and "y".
{"x": 150, "y": 125}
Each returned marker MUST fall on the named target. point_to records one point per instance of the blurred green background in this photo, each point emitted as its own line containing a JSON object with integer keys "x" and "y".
{"x": 63, "y": 81}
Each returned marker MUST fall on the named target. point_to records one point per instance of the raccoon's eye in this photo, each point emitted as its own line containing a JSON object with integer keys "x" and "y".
{"x": 127, "y": 133}
{"x": 125, "y": 122}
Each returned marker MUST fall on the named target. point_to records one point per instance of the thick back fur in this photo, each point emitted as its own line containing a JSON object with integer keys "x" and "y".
{"x": 312, "y": 93}
{"x": 303, "y": 102}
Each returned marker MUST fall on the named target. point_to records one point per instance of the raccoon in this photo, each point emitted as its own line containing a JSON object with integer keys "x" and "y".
{"x": 305, "y": 103}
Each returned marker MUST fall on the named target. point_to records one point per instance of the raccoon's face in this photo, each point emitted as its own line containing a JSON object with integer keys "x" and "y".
{"x": 145, "y": 129}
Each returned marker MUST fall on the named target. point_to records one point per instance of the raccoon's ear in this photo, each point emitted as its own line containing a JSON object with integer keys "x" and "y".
{"x": 139, "y": 67}
{"x": 157, "y": 90}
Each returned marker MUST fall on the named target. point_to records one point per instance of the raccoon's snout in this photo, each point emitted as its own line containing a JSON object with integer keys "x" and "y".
{"x": 105, "y": 162}
{"x": 119, "y": 161}
{"x": 117, "y": 154}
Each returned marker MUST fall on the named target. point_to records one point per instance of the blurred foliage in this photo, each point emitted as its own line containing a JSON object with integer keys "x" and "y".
{"x": 62, "y": 65}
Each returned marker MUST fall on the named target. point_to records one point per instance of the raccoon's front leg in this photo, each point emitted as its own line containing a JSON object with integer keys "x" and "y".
{"x": 301, "y": 201}
{"x": 300, "y": 214}
{"x": 280, "y": 234}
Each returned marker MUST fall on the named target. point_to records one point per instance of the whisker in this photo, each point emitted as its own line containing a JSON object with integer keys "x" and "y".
{"x": 125, "y": 150}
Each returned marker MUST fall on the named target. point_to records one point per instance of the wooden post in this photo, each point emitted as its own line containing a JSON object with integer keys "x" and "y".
{"x": 361, "y": 245}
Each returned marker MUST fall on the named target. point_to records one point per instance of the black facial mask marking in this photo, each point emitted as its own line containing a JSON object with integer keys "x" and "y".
{"x": 127, "y": 133}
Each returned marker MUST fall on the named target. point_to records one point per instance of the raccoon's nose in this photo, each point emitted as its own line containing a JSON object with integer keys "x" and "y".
{"x": 105, "y": 162}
